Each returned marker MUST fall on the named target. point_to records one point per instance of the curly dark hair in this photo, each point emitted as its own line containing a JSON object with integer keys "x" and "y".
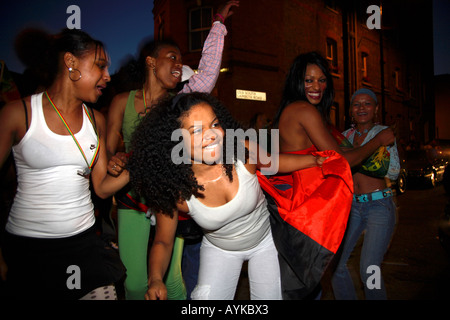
{"x": 153, "y": 174}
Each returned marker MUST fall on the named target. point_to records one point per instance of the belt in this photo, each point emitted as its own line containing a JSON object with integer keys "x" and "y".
{"x": 377, "y": 195}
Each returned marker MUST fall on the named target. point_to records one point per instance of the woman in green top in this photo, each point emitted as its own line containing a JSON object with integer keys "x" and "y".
{"x": 162, "y": 64}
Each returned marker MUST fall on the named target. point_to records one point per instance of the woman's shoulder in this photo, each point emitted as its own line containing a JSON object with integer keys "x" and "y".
{"x": 300, "y": 105}
{"x": 301, "y": 109}
{"x": 348, "y": 132}
{"x": 378, "y": 127}
{"x": 123, "y": 96}
{"x": 16, "y": 108}
{"x": 119, "y": 102}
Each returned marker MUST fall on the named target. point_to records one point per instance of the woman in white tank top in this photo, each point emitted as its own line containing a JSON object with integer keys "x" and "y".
{"x": 59, "y": 146}
{"x": 182, "y": 161}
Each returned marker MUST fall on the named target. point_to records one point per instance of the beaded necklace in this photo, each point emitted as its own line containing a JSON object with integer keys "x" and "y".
{"x": 87, "y": 170}
{"x": 359, "y": 133}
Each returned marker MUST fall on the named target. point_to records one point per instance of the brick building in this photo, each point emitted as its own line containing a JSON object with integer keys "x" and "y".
{"x": 442, "y": 102}
{"x": 264, "y": 37}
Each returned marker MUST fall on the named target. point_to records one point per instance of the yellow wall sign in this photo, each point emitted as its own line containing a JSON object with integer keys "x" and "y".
{"x": 250, "y": 95}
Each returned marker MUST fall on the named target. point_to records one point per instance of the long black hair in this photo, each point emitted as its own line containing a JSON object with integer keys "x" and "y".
{"x": 294, "y": 87}
{"x": 153, "y": 173}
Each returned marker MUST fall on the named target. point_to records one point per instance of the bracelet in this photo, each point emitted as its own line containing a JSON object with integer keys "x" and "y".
{"x": 221, "y": 18}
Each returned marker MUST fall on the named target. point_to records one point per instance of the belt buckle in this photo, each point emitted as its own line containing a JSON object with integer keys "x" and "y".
{"x": 362, "y": 198}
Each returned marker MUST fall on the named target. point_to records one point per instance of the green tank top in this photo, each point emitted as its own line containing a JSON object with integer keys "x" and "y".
{"x": 130, "y": 121}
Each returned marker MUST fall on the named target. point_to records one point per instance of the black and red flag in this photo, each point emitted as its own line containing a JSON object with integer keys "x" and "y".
{"x": 309, "y": 210}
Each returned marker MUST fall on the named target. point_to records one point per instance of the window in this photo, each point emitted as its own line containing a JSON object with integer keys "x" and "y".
{"x": 199, "y": 24}
{"x": 161, "y": 31}
{"x": 331, "y": 4}
{"x": 160, "y": 27}
{"x": 411, "y": 83}
{"x": 332, "y": 55}
{"x": 334, "y": 114}
{"x": 364, "y": 63}
{"x": 397, "y": 79}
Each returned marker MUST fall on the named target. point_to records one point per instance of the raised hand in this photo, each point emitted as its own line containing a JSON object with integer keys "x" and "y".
{"x": 225, "y": 11}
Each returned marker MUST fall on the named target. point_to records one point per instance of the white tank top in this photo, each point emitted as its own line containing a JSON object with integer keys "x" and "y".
{"x": 52, "y": 200}
{"x": 239, "y": 224}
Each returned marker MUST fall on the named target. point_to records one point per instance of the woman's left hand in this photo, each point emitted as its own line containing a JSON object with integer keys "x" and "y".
{"x": 320, "y": 160}
{"x": 117, "y": 164}
{"x": 225, "y": 10}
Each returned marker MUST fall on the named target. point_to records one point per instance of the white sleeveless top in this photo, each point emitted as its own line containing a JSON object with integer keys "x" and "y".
{"x": 239, "y": 224}
{"x": 52, "y": 200}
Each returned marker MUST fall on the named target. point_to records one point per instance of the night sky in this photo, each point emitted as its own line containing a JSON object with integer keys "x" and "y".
{"x": 123, "y": 25}
{"x": 441, "y": 27}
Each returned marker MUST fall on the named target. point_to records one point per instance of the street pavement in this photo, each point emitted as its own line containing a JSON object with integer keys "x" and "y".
{"x": 416, "y": 266}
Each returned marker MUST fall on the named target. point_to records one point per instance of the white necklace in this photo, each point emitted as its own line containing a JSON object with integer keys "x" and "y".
{"x": 359, "y": 133}
{"x": 214, "y": 180}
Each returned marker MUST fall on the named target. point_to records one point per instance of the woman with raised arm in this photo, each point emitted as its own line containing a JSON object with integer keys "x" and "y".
{"x": 160, "y": 64}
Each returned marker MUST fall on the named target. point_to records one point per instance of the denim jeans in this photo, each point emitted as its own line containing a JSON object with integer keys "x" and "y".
{"x": 190, "y": 265}
{"x": 378, "y": 219}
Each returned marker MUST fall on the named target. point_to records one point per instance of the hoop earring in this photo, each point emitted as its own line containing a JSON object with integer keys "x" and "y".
{"x": 71, "y": 72}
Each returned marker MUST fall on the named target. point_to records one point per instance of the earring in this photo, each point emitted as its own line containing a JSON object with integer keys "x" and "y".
{"x": 72, "y": 72}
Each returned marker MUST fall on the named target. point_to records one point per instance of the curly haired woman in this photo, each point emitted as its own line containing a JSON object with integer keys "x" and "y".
{"x": 217, "y": 187}
{"x": 160, "y": 71}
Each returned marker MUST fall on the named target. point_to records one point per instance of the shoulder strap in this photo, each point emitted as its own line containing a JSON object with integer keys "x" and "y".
{"x": 91, "y": 116}
{"x": 26, "y": 113}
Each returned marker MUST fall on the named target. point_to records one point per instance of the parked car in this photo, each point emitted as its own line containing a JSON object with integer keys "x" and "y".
{"x": 424, "y": 167}
{"x": 446, "y": 181}
{"x": 442, "y": 147}
{"x": 444, "y": 229}
{"x": 444, "y": 221}
{"x": 400, "y": 184}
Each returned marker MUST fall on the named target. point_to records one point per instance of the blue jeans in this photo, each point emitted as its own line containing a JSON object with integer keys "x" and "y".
{"x": 378, "y": 219}
{"x": 190, "y": 265}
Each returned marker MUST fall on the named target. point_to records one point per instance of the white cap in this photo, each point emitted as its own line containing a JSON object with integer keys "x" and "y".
{"x": 187, "y": 73}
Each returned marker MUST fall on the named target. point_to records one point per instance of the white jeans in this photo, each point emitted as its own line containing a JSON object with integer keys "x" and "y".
{"x": 220, "y": 270}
